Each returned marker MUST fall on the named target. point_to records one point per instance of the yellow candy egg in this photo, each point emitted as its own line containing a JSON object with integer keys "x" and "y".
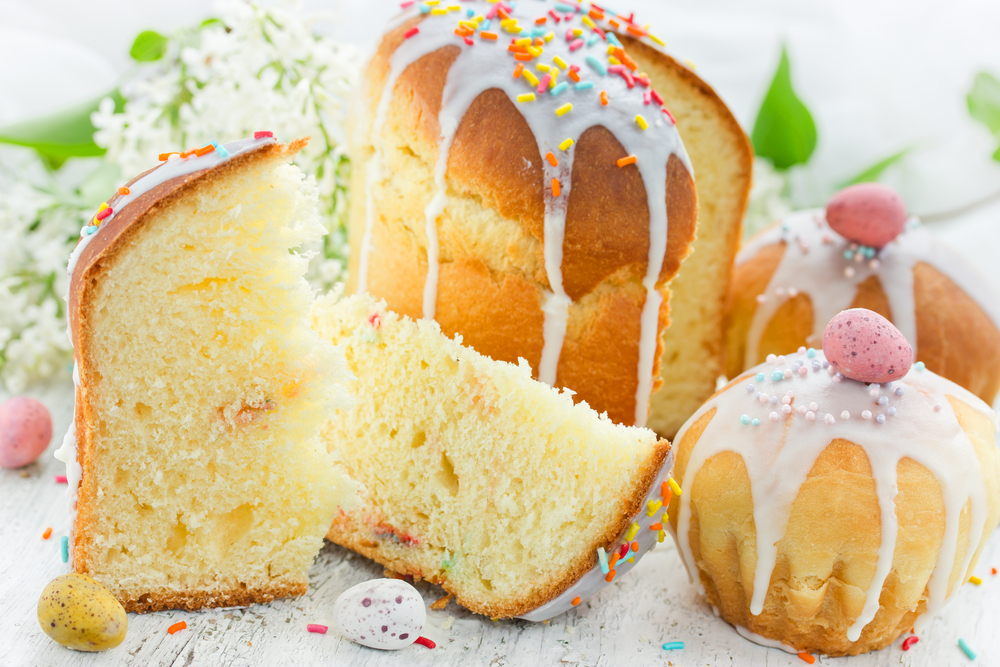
{"x": 81, "y": 614}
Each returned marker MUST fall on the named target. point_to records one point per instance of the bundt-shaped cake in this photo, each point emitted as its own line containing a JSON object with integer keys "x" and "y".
{"x": 790, "y": 280}
{"x": 830, "y": 514}
{"x": 518, "y": 178}
{"x": 196, "y": 471}
{"x": 479, "y": 478}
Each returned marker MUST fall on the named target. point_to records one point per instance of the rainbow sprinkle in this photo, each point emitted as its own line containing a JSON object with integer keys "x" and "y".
{"x": 671, "y": 646}
{"x": 315, "y": 627}
{"x": 566, "y": 144}
{"x": 969, "y": 653}
{"x": 64, "y": 548}
{"x": 526, "y": 97}
{"x": 674, "y": 486}
{"x": 564, "y": 109}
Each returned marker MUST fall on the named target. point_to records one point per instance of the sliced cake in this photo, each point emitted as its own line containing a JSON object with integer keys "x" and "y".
{"x": 479, "y": 478}
{"x": 201, "y": 388}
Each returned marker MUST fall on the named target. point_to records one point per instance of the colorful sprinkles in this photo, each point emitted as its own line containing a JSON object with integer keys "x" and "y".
{"x": 424, "y": 641}
{"x": 64, "y": 548}
{"x": 176, "y": 627}
{"x": 315, "y": 627}
{"x": 47, "y": 534}
{"x": 969, "y": 653}
{"x": 673, "y": 646}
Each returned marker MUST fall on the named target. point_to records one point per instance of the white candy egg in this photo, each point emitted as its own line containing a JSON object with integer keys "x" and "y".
{"x": 382, "y": 613}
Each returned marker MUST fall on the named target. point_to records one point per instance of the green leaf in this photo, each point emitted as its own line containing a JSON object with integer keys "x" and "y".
{"x": 148, "y": 46}
{"x": 873, "y": 172}
{"x": 996, "y": 156}
{"x": 62, "y": 135}
{"x": 212, "y": 21}
{"x": 984, "y": 101}
{"x": 784, "y": 131}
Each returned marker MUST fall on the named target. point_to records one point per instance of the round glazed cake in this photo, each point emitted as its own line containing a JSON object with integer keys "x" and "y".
{"x": 830, "y": 514}
{"x": 520, "y": 180}
{"x": 791, "y": 279}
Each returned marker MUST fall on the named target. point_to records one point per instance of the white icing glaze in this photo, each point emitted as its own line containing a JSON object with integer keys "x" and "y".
{"x": 919, "y": 424}
{"x": 476, "y": 70}
{"x": 813, "y": 263}
{"x": 760, "y": 639}
{"x": 176, "y": 166}
{"x": 595, "y": 579}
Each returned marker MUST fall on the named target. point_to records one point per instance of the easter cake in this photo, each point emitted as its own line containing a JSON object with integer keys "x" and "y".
{"x": 196, "y": 474}
{"x": 864, "y": 251}
{"x": 833, "y": 500}
{"x": 519, "y": 177}
{"x": 481, "y": 479}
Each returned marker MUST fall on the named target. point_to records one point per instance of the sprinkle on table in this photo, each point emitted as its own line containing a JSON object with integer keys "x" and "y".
{"x": 176, "y": 627}
{"x": 672, "y": 646}
{"x": 61, "y": 479}
{"x": 970, "y": 654}
{"x": 625, "y": 161}
{"x": 424, "y": 641}
{"x": 975, "y": 580}
{"x": 909, "y": 641}
{"x": 47, "y": 534}
{"x": 806, "y": 657}
{"x": 317, "y": 628}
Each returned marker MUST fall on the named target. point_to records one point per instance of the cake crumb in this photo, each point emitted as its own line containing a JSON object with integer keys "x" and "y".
{"x": 448, "y": 622}
{"x": 570, "y": 629}
{"x": 441, "y": 603}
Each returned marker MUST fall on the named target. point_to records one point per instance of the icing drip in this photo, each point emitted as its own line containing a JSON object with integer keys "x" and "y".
{"x": 918, "y": 423}
{"x": 176, "y": 166}
{"x": 476, "y": 70}
{"x": 811, "y": 244}
{"x": 595, "y": 579}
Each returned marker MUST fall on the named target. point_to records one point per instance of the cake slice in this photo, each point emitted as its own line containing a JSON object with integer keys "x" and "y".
{"x": 479, "y": 478}
{"x": 201, "y": 390}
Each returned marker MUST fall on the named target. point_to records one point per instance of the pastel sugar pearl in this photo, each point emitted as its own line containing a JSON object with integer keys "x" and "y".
{"x": 865, "y": 346}
{"x": 867, "y": 213}
{"x": 386, "y": 614}
{"x": 25, "y": 431}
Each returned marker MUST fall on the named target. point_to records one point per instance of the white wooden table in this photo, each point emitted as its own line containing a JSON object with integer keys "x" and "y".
{"x": 626, "y": 624}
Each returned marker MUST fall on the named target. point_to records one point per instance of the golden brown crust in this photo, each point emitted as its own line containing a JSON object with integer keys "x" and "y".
{"x": 955, "y": 337}
{"x": 494, "y": 158}
{"x": 356, "y": 531}
{"x": 829, "y": 551}
{"x": 115, "y": 236}
{"x": 223, "y": 597}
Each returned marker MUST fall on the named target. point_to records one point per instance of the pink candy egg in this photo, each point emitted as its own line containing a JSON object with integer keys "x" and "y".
{"x": 867, "y": 213}
{"x": 386, "y": 614}
{"x": 865, "y": 346}
{"x": 25, "y": 431}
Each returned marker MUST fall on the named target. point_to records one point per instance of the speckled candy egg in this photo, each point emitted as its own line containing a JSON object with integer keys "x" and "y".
{"x": 25, "y": 431}
{"x": 865, "y": 346}
{"x": 81, "y": 614}
{"x": 382, "y": 613}
{"x": 867, "y": 213}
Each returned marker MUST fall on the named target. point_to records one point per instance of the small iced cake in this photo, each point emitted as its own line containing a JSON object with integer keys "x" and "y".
{"x": 196, "y": 472}
{"x": 479, "y": 478}
{"x": 829, "y": 513}
{"x": 863, "y": 251}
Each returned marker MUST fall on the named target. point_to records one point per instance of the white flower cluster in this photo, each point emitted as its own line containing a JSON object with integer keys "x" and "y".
{"x": 255, "y": 69}
{"x": 36, "y": 234}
